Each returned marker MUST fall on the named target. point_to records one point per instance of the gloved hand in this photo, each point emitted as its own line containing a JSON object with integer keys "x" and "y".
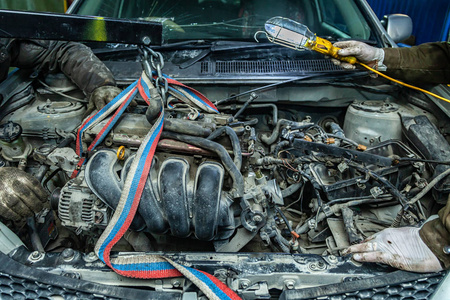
{"x": 21, "y": 195}
{"x": 102, "y": 96}
{"x": 401, "y": 248}
{"x": 363, "y": 53}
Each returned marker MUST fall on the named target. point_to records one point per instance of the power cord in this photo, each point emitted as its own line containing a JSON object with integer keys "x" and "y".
{"x": 404, "y": 84}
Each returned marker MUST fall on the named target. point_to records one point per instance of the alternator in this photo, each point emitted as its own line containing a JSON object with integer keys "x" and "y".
{"x": 79, "y": 208}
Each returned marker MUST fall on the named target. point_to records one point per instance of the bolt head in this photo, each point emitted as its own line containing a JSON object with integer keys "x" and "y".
{"x": 257, "y": 218}
{"x": 35, "y": 256}
{"x": 68, "y": 254}
{"x": 332, "y": 258}
{"x": 90, "y": 257}
{"x": 290, "y": 285}
{"x": 176, "y": 284}
{"x": 146, "y": 40}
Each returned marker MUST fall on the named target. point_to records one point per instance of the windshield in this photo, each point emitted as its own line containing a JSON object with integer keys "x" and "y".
{"x": 235, "y": 19}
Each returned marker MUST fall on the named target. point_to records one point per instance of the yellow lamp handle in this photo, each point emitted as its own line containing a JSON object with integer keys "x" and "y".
{"x": 326, "y": 47}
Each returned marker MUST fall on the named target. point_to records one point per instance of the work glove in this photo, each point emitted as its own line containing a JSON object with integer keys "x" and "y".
{"x": 102, "y": 96}
{"x": 21, "y": 195}
{"x": 363, "y": 53}
{"x": 401, "y": 248}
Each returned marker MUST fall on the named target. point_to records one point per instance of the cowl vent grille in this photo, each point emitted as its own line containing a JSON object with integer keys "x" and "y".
{"x": 268, "y": 67}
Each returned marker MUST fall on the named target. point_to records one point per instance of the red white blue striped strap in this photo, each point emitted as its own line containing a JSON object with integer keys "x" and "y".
{"x": 141, "y": 266}
{"x": 190, "y": 95}
{"x": 124, "y": 97}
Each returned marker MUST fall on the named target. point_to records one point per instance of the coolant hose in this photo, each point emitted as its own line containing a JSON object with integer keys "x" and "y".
{"x": 238, "y": 179}
{"x": 186, "y": 127}
{"x": 234, "y": 143}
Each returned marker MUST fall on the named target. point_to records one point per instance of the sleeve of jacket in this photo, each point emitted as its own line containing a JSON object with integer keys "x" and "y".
{"x": 436, "y": 234}
{"x": 426, "y": 63}
{"x": 75, "y": 60}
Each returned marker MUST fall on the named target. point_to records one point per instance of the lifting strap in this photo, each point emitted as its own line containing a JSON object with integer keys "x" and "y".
{"x": 142, "y": 265}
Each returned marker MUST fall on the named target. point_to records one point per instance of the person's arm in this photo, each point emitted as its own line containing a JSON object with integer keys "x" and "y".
{"x": 426, "y": 63}
{"x": 75, "y": 60}
{"x": 436, "y": 235}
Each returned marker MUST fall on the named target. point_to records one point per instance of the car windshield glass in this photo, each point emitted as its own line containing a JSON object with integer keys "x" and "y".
{"x": 235, "y": 19}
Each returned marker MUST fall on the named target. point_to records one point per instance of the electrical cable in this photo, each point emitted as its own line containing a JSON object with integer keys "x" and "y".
{"x": 404, "y": 84}
{"x": 429, "y": 186}
{"x": 49, "y": 177}
{"x": 294, "y": 35}
{"x": 288, "y": 225}
{"x": 49, "y": 88}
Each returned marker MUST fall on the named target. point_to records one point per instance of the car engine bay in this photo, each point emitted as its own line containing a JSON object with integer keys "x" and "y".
{"x": 258, "y": 177}
{"x": 263, "y": 177}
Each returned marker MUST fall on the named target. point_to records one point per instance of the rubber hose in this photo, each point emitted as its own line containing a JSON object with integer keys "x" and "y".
{"x": 429, "y": 186}
{"x": 280, "y": 241}
{"x": 276, "y": 132}
{"x": 303, "y": 228}
{"x": 279, "y": 146}
{"x": 291, "y": 189}
{"x": 186, "y": 127}
{"x": 155, "y": 106}
{"x": 238, "y": 179}
{"x": 265, "y": 105}
{"x": 234, "y": 143}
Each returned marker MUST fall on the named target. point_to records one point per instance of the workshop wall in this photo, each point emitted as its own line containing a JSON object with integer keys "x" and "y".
{"x": 431, "y": 18}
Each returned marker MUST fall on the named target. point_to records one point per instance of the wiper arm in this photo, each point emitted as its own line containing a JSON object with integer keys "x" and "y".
{"x": 195, "y": 59}
{"x": 194, "y": 43}
{"x": 238, "y": 45}
{"x": 269, "y": 86}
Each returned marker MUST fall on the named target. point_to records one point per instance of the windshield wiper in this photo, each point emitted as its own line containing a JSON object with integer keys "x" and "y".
{"x": 208, "y": 46}
{"x": 193, "y": 43}
{"x": 269, "y": 86}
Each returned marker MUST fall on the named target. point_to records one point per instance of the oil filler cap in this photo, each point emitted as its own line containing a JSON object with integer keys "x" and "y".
{"x": 10, "y": 132}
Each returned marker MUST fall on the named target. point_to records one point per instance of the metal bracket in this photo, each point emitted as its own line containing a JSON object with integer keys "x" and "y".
{"x": 65, "y": 27}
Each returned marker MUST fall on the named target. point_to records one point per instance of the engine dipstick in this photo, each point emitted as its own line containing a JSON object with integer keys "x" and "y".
{"x": 121, "y": 153}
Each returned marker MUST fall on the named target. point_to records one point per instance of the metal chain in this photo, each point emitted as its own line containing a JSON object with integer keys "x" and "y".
{"x": 154, "y": 62}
